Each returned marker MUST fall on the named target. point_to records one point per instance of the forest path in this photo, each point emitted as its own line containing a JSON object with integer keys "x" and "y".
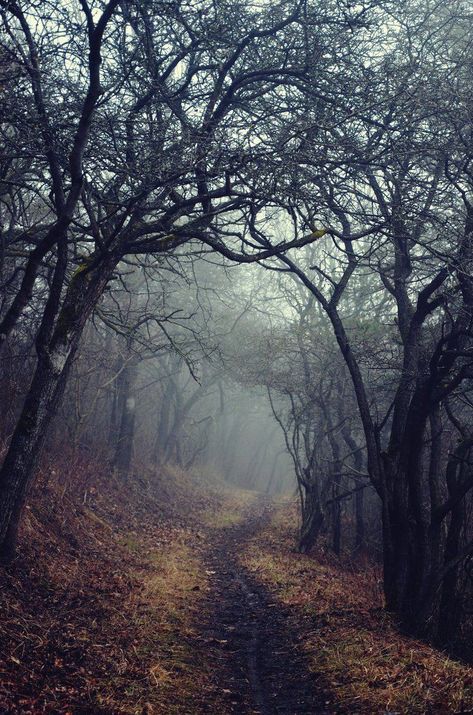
{"x": 262, "y": 668}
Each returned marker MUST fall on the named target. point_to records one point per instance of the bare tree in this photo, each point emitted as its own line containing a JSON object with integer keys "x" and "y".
{"x": 395, "y": 182}
{"x": 139, "y": 149}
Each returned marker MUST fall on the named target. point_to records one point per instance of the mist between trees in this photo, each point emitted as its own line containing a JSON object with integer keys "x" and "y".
{"x": 151, "y": 150}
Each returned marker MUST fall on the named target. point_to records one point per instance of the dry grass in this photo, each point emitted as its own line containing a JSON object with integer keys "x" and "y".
{"x": 350, "y": 642}
{"x": 97, "y": 614}
{"x": 105, "y": 608}
{"x": 230, "y": 509}
{"x": 163, "y": 615}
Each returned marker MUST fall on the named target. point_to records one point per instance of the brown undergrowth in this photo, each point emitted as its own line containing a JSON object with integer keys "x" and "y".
{"x": 97, "y": 612}
{"x": 353, "y": 646}
{"x": 110, "y": 605}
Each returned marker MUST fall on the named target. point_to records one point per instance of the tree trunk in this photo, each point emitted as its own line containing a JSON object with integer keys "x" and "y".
{"x": 336, "y": 519}
{"x": 450, "y": 606}
{"x": 312, "y": 518}
{"x": 360, "y": 493}
{"x": 124, "y": 448}
{"x": 162, "y": 435}
{"x": 114, "y": 423}
{"x": 45, "y": 393}
{"x": 360, "y": 538}
{"x": 25, "y": 447}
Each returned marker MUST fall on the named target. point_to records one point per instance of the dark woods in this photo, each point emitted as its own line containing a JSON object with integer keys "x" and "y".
{"x": 148, "y": 148}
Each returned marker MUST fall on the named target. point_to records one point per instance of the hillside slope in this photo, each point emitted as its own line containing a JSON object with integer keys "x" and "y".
{"x": 96, "y": 611}
{"x": 172, "y": 595}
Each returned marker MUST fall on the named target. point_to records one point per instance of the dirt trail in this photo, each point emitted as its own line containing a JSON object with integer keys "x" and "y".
{"x": 263, "y": 669}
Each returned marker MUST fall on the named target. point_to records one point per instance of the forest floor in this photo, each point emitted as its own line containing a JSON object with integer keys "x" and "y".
{"x": 196, "y": 603}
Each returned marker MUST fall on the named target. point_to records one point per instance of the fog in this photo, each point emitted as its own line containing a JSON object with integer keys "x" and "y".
{"x": 236, "y": 249}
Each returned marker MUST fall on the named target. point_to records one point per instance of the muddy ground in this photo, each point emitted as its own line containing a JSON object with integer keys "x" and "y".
{"x": 263, "y": 669}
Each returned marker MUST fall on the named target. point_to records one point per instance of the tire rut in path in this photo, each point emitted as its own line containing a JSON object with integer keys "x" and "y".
{"x": 262, "y": 667}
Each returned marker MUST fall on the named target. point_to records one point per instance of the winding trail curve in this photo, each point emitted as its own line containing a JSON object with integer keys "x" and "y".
{"x": 262, "y": 669}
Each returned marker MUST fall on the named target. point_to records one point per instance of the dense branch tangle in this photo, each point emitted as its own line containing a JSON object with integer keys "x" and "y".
{"x": 393, "y": 184}
{"x": 149, "y": 134}
{"x": 137, "y": 132}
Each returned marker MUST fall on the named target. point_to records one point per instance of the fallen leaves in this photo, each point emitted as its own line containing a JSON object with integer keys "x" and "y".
{"x": 72, "y": 638}
{"x": 102, "y": 612}
{"x": 353, "y": 645}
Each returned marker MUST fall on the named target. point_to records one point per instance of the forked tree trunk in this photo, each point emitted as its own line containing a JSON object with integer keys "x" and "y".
{"x": 45, "y": 393}
{"x": 409, "y": 553}
{"x": 25, "y": 447}
{"x": 411, "y": 569}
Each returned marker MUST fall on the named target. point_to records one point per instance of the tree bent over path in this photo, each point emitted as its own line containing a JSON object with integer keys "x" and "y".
{"x": 148, "y": 138}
